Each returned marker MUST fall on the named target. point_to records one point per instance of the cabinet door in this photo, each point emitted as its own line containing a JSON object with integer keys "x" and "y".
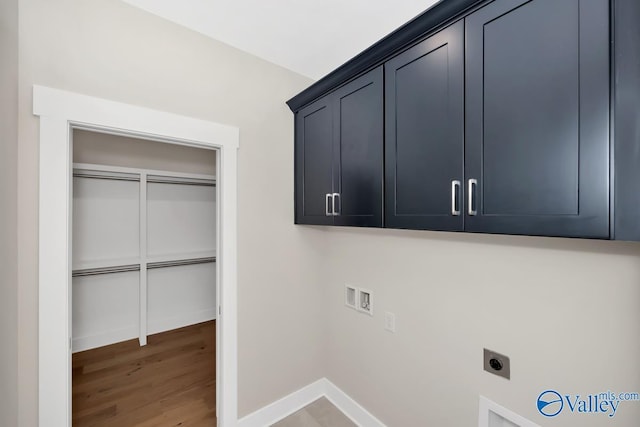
{"x": 358, "y": 151}
{"x": 424, "y": 89}
{"x": 313, "y": 163}
{"x": 537, "y": 118}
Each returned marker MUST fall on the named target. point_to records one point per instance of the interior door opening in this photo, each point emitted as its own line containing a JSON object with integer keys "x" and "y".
{"x": 144, "y": 296}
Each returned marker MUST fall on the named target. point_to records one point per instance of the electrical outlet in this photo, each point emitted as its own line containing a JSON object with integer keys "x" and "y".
{"x": 497, "y": 364}
{"x": 365, "y": 301}
{"x": 389, "y": 321}
{"x": 351, "y": 296}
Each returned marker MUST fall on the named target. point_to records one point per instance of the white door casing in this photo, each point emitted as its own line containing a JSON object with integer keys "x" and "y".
{"x": 60, "y": 112}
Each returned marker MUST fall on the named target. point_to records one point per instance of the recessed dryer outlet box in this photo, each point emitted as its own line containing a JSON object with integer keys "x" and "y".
{"x": 351, "y": 296}
{"x": 497, "y": 364}
{"x": 365, "y": 301}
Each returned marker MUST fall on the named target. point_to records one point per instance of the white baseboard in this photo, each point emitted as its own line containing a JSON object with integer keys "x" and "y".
{"x": 105, "y": 338}
{"x": 162, "y": 325}
{"x": 179, "y": 321}
{"x": 279, "y": 409}
{"x": 286, "y": 406}
{"x": 350, "y": 407}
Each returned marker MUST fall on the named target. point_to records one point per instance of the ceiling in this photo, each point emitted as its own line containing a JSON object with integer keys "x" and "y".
{"x": 309, "y": 37}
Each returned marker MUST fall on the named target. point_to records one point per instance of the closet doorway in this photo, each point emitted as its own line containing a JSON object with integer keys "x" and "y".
{"x": 60, "y": 112}
{"x": 143, "y": 282}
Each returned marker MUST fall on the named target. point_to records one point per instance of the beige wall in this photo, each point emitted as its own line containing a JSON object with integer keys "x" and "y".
{"x": 104, "y": 149}
{"x": 109, "y": 49}
{"x": 567, "y": 312}
{"x": 8, "y": 212}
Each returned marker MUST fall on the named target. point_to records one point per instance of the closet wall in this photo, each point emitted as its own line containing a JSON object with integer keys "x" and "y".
{"x": 9, "y": 212}
{"x": 143, "y": 238}
{"x": 103, "y": 149}
{"x": 151, "y": 62}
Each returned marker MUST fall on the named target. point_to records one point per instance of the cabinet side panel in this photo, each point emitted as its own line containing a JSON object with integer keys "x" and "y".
{"x": 627, "y": 119}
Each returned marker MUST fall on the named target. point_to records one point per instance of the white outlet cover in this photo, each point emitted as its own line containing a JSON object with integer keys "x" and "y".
{"x": 389, "y": 321}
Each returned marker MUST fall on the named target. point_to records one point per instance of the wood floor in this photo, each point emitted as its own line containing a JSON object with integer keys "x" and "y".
{"x": 169, "y": 382}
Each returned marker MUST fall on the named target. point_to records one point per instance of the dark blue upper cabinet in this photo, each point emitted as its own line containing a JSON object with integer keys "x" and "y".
{"x": 498, "y": 116}
{"x": 358, "y": 151}
{"x": 424, "y": 117}
{"x": 537, "y": 118}
{"x": 339, "y": 156}
{"x": 313, "y": 163}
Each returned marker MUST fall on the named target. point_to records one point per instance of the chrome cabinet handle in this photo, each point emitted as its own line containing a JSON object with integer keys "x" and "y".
{"x": 326, "y": 204}
{"x": 336, "y": 212}
{"x": 470, "y": 193}
{"x": 455, "y": 186}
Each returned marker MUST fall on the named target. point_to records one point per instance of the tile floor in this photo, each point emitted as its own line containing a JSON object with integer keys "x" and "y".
{"x": 320, "y": 413}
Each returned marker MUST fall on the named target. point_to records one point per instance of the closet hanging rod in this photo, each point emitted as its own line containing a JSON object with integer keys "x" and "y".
{"x": 156, "y": 179}
{"x": 105, "y": 270}
{"x": 106, "y": 175}
{"x": 176, "y": 263}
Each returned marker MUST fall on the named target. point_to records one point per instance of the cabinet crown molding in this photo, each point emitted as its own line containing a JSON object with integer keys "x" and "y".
{"x": 441, "y": 13}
